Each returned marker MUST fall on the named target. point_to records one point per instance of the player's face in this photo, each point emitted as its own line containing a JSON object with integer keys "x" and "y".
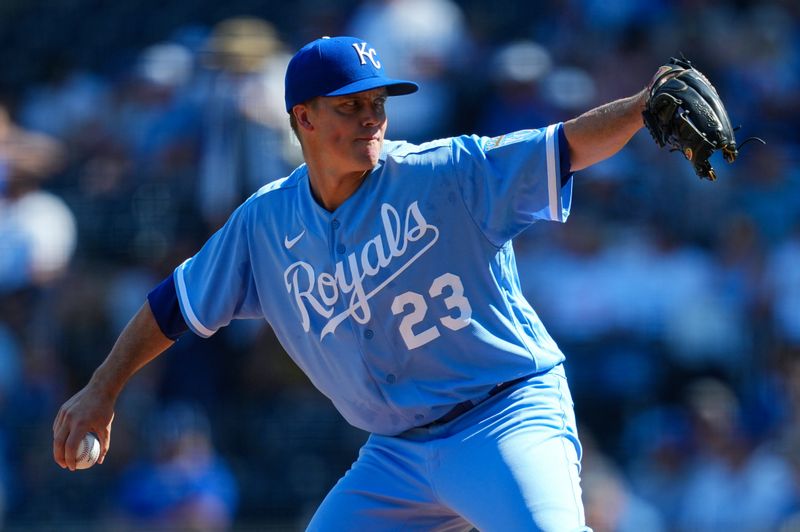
{"x": 349, "y": 129}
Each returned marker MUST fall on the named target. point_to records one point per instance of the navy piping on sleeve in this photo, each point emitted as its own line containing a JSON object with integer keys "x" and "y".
{"x": 163, "y": 301}
{"x": 563, "y": 156}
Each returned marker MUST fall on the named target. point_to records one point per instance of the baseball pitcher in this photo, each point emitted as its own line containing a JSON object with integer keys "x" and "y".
{"x": 387, "y": 271}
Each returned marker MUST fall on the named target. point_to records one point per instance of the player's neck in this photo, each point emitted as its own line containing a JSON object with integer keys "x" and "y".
{"x": 331, "y": 191}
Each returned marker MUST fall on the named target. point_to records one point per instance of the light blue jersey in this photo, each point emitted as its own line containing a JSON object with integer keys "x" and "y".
{"x": 404, "y": 301}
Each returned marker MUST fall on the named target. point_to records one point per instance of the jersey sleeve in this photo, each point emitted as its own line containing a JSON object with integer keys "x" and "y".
{"x": 163, "y": 301}
{"x": 509, "y": 182}
{"x": 217, "y": 284}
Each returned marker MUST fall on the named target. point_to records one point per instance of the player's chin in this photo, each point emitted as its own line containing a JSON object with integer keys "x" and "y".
{"x": 369, "y": 153}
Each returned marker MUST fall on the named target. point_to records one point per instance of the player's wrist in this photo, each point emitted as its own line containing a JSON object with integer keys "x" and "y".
{"x": 641, "y": 99}
{"x": 104, "y": 384}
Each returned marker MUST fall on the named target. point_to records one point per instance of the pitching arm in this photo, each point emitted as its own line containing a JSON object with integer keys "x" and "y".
{"x": 92, "y": 408}
{"x": 600, "y": 133}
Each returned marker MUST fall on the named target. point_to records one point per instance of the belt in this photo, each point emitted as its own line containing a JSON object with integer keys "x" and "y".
{"x": 466, "y": 406}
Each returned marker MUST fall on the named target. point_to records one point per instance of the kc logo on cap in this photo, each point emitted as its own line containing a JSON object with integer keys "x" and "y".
{"x": 361, "y": 50}
{"x": 335, "y": 66}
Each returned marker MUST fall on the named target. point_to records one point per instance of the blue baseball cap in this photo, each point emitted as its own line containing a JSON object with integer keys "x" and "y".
{"x": 334, "y": 66}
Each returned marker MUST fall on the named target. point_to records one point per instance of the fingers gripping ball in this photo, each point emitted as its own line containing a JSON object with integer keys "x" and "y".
{"x": 684, "y": 112}
{"x": 88, "y": 452}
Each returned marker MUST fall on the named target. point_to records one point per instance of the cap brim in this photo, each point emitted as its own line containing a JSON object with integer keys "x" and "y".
{"x": 394, "y": 87}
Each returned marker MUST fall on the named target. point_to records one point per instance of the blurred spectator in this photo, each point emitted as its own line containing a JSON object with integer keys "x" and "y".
{"x": 769, "y": 188}
{"x": 153, "y": 114}
{"x": 246, "y": 134}
{"x": 72, "y": 104}
{"x": 732, "y": 484}
{"x": 610, "y": 503}
{"x": 761, "y": 68}
{"x": 183, "y": 484}
{"x": 145, "y": 174}
{"x": 37, "y": 229}
{"x": 657, "y": 455}
{"x": 704, "y": 327}
{"x": 570, "y": 88}
{"x": 515, "y": 101}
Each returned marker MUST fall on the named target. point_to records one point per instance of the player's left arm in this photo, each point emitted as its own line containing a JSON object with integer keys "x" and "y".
{"x": 600, "y": 133}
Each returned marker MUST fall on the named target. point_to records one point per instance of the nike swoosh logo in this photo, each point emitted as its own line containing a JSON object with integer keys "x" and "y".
{"x": 290, "y": 243}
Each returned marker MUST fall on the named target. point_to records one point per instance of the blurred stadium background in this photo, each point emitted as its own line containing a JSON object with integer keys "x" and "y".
{"x": 129, "y": 131}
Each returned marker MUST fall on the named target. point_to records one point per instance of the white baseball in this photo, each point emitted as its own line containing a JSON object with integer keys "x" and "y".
{"x": 88, "y": 452}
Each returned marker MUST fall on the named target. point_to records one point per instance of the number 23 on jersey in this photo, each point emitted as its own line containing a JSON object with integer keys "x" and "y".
{"x": 443, "y": 285}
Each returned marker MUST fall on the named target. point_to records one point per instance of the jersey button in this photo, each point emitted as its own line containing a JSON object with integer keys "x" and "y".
{"x": 340, "y": 249}
{"x": 368, "y": 334}
{"x": 419, "y": 418}
{"x": 335, "y": 224}
{"x": 390, "y": 378}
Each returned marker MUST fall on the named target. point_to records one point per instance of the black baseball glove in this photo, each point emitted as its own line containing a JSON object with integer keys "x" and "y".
{"x": 684, "y": 112}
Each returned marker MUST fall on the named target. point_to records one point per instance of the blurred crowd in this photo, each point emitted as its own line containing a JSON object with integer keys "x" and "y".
{"x": 128, "y": 134}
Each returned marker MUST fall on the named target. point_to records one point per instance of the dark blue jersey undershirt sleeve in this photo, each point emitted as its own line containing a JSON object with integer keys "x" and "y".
{"x": 563, "y": 156}
{"x": 163, "y": 301}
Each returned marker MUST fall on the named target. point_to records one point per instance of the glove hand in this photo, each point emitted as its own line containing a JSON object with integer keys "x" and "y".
{"x": 684, "y": 111}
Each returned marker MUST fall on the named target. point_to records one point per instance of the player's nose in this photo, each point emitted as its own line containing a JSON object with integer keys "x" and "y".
{"x": 372, "y": 115}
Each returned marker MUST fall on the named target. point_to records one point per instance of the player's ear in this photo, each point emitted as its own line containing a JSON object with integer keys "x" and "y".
{"x": 301, "y": 115}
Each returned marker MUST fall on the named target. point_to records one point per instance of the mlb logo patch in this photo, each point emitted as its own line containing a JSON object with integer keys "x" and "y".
{"x": 510, "y": 138}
